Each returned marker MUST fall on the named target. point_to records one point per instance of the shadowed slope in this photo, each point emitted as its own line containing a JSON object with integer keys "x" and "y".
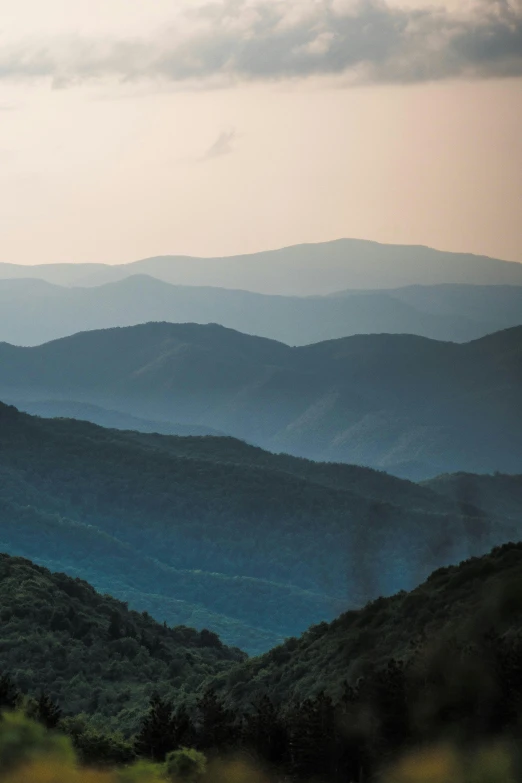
{"x": 406, "y": 404}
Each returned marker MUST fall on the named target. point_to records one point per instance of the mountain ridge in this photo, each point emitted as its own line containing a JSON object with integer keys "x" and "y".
{"x": 373, "y": 265}
{"x": 113, "y": 653}
{"x": 413, "y": 406}
{"x": 453, "y": 312}
{"x": 259, "y": 545}
{"x": 454, "y": 606}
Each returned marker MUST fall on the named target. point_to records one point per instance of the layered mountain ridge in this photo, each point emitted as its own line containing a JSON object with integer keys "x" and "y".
{"x": 446, "y": 312}
{"x": 402, "y": 403}
{"x": 214, "y": 533}
{"x": 301, "y": 270}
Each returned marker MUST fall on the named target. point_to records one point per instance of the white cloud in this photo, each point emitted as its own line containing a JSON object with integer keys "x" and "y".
{"x": 271, "y": 39}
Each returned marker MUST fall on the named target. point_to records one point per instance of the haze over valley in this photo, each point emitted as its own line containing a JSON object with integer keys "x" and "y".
{"x": 261, "y": 391}
{"x": 413, "y": 406}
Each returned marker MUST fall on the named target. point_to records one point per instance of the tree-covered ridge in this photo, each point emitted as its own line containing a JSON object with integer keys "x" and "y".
{"x": 89, "y": 652}
{"x": 498, "y": 494}
{"x": 453, "y": 609}
{"x": 440, "y": 664}
{"x": 406, "y": 404}
{"x": 273, "y": 543}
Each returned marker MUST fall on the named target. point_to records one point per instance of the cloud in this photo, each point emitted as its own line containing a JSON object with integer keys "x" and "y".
{"x": 231, "y": 40}
{"x": 223, "y": 145}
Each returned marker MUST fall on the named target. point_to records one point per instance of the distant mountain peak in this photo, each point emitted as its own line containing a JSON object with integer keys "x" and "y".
{"x": 297, "y": 270}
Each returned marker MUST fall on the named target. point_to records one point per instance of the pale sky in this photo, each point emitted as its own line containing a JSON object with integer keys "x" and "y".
{"x": 130, "y": 129}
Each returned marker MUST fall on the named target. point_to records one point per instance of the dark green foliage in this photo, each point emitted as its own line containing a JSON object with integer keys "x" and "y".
{"x": 78, "y": 651}
{"x": 265, "y": 733}
{"x": 213, "y": 533}
{"x": 95, "y": 747}
{"x": 454, "y": 608}
{"x": 9, "y": 693}
{"x": 216, "y": 724}
{"x": 157, "y": 732}
{"x": 313, "y": 737}
{"x": 443, "y": 663}
{"x": 163, "y": 729}
{"x": 185, "y": 764}
{"x": 47, "y": 712}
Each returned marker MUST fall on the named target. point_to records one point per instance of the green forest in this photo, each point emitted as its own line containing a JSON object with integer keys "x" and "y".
{"x": 263, "y": 549}
{"x": 441, "y": 665}
{"x": 210, "y": 532}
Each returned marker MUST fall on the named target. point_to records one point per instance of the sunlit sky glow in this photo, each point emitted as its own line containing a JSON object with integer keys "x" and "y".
{"x": 130, "y": 129}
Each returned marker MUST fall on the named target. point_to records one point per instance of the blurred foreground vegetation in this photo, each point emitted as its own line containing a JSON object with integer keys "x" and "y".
{"x": 29, "y": 753}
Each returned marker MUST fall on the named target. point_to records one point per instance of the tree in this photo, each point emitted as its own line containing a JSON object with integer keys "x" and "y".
{"x": 264, "y": 732}
{"x": 47, "y": 712}
{"x": 9, "y": 693}
{"x": 184, "y": 729}
{"x": 313, "y": 737}
{"x": 115, "y": 630}
{"x": 216, "y": 723}
{"x": 157, "y": 734}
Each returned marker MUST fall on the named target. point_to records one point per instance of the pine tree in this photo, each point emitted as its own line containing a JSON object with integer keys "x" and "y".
{"x": 47, "y": 712}
{"x": 157, "y": 734}
{"x": 184, "y": 729}
{"x": 264, "y": 732}
{"x": 216, "y": 730}
{"x": 313, "y": 736}
{"x": 9, "y": 693}
{"x": 115, "y": 630}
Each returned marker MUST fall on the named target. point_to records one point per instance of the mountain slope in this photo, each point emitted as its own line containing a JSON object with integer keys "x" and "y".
{"x": 261, "y": 545}
{"x": 457, "y": 313}
{"x": 68, "y": 409}
{"x": 406, "y": 404}
{"x": 299, "y": 270}
{"x": 89, "y": 652}
{"x": 498, "y": 494}
{"x": 453, "y": 607}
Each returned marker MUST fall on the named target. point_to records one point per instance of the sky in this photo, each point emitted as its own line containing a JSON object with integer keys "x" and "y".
{"x": 131, "y": 129}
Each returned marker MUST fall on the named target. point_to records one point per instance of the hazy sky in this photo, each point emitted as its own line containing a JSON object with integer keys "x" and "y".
{"x": 130, "y": 129}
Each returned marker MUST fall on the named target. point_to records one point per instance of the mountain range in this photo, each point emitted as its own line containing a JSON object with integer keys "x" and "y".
{"x": 446, "y": 312}
{"x": 300, "y": 270}
{"x": 213, "y": 533}
{"x": 409, "y": 405}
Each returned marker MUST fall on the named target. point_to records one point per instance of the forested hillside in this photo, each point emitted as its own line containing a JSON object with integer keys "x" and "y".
{"x": 212, "y": 532}
{"x": 90, "y": 653}
{"x": 401, "y": 403}
{"x": 497, "y": 494}
{"x": 456, "y": 608}
{"x": 439, "y": 664}
{"x": 104, "y": 417}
